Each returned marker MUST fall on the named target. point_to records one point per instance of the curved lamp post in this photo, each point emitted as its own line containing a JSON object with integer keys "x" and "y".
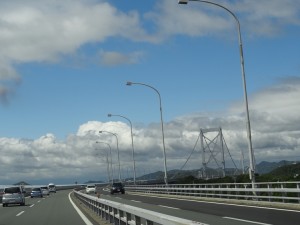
{"x": 102, "y": 131}
{"x": 111, "y": 169}
{"x": 134, "y": 172}
{"x": 162, "y": 126}
{"x": 251, "y": 154}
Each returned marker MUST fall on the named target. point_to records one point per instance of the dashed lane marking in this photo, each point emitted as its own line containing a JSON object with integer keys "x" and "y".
{"x": 247, "y": 221}
{"x": 20, "y": 213}
{"x": 167, "y": 207}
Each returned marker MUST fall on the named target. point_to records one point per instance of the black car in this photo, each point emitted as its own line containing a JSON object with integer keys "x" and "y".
{"x": 117, "y": 188}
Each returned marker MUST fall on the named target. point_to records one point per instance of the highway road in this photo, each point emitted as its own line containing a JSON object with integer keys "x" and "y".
{"x": 49, "y": 210}
{"x": 209, "y": 213}
{"x": 57, "y": 209}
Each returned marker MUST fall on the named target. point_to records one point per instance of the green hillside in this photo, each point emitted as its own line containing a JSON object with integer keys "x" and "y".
{"x": 289, "y": 172}
{"x": 283, "y": 173}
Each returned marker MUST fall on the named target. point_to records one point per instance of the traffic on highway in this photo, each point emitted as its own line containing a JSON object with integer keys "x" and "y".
{"x": 55, "y": 208}
{"x": 59, "y": 208}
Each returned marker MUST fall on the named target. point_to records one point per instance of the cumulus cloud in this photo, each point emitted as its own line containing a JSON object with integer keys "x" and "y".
{"x": 42, "y": 31}
{"x": 46, "y": 31}
{"x": 275, "y": 120}
{"x": 266, "y": 18}
{"x": 277, "y": 105}
{"x": 173, "y": 19}
{"x": 275, "y": 136}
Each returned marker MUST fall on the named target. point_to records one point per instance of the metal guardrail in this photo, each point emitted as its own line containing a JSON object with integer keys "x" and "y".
{"x": 118, "y": 213}
{"x": 286, "y": 192}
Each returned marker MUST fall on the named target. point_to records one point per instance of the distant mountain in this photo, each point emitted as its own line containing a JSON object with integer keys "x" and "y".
{"x": 177, "y": 174}
{"x": 287, "y": 170}
{"x": 266, "y": 167}
{"x": 159, "y": 175}
{"x": 93, "y": 182}
{"x": 21, "y": 183}
{"x": 261, "y": 168}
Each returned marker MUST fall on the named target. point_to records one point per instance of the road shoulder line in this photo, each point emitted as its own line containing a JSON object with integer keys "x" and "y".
{"x": 83, "y": 217}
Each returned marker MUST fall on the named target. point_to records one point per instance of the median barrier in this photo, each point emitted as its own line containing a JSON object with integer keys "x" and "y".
{"x": 268, "y": 193}
{"x": 118, "y": 213}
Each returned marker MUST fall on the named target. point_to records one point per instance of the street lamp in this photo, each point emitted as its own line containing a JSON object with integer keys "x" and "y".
{"x": 111, "y": 169}
{"x": 108, "y": 173}
{"x": 251, "y": 154}
{"x": 134, "y": 173}
{"x": 102, "y": 131}
{"x": 162, "y": 126}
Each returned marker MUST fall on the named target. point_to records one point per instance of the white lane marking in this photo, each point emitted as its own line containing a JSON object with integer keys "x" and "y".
{"x": 135, "y": 201}
{"x": 83, "y": 217}
{"x": 168, "y": 207}
{"x": 38, "y": 201}
{"x": 247, "y": 221}
{"x": 31, "y": 205}
{"x": 222, "y": 203}
{"x": 20, "y": 213}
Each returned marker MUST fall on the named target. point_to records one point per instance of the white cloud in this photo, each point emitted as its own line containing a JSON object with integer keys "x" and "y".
{"x": 263, "y": 18}
{"x": 275, "y": 136}
{"x": 173, "y": 19}
{"x": 268, "y": 17}
{"x": 275, "y": 120}
{"x": 277, "y": 106}
{"x": 44, "y": 31}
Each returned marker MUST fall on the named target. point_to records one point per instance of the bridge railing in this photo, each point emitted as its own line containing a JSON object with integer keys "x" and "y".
{"x": 118, "y": 213}
{"x": 287, "y": 192}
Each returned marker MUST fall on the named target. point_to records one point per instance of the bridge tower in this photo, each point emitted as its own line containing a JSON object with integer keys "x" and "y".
{"x": 212, "y": 148}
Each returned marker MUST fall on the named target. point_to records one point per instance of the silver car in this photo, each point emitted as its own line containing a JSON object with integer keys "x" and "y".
{"x": 45, "y": 190}
{"x": 13, "y": 195}
{"x": 36, "y": 192}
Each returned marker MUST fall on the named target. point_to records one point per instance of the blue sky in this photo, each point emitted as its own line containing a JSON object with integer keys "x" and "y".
{"x": 64, "y": 67}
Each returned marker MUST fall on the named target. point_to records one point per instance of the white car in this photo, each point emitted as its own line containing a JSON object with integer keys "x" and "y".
{"x": 90, "y": 189}
{"x": 52, "y": 187}
{"x": 45, "y": 190}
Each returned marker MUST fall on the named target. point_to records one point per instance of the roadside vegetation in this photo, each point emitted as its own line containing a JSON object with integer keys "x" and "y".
{"x": 281, "y": 174}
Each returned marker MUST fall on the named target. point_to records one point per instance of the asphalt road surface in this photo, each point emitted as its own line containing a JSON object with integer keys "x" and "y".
{"x": 55, "y": 209}
{"x": 209, "y": 213}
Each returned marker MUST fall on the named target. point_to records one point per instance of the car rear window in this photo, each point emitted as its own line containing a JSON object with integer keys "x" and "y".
{"x": 36, "y": 189}
{"x": 12, "y": 190}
